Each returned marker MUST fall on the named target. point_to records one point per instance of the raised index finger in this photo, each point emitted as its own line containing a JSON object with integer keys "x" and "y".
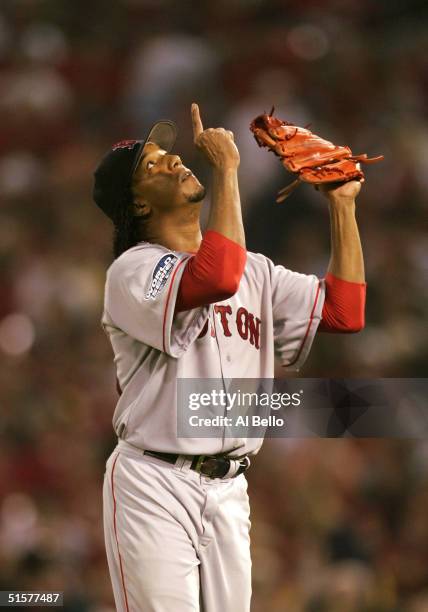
{"x": 196, "y": 121}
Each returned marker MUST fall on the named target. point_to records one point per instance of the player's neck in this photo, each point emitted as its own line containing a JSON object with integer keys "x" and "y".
{"x": 177, "y": 231}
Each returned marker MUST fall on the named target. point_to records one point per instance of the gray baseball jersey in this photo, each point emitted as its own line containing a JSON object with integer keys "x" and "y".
{"x": 274, "y": 312}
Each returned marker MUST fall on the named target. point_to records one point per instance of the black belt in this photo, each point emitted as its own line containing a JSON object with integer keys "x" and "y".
{"x": 209, "y": 465}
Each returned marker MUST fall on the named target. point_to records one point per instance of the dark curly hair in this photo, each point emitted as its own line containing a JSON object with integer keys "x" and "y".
{"x": 128, "y": 228}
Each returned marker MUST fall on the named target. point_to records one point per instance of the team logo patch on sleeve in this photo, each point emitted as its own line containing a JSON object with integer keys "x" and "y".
{"x": 160, "y": 275}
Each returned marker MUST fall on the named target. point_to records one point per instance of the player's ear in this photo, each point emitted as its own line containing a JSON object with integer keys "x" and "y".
{"x": 140, "y": 208}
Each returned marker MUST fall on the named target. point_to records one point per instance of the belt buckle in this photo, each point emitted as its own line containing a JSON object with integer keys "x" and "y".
{"x": 210, "y": 470}
{"x": 199, "y": 463}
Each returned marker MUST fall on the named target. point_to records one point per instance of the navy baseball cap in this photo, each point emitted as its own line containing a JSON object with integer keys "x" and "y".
{"x": 113, "y": 176}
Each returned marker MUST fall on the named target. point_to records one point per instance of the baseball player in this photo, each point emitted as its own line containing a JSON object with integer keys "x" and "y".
{"x": 182, "y": 304}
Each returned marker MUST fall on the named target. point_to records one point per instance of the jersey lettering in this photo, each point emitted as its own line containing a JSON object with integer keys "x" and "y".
{"x": 254, "y": 329}
{"x": 247, "y": 325}
{"x": 242, "y": 322}
{"x": 205, "y": 329}
{"x": 223, "y": 319}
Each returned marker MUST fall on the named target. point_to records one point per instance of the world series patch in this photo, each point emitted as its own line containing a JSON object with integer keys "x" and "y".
{"x": 160, "y": 275}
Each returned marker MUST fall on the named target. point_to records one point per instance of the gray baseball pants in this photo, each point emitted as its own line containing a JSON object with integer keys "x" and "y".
{"x": 176, "y": 541}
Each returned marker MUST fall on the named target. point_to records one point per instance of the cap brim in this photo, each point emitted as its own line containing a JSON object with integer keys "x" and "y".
{"x": 162, "y": 133}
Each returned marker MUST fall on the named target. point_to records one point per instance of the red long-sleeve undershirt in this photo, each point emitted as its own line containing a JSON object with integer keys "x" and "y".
{"x": 344, "y": 306}
{"x": 213, "y": 274}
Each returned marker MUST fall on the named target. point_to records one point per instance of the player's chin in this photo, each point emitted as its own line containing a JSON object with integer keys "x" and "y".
{"x": 197, "y": 194}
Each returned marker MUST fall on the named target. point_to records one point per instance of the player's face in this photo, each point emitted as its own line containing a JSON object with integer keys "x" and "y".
{"x": 163, "y": 182}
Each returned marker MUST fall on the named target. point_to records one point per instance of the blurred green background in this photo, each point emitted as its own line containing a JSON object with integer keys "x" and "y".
{"x": 337, "y": 525}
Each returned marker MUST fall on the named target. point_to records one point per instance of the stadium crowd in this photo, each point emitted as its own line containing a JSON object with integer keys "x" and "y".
{"x": 337, "y": 525}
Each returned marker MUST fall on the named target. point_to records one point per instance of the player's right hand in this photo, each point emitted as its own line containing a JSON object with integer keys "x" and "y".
{"x": 217, "y": 144}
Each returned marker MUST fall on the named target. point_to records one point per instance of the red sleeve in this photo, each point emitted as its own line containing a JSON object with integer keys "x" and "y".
{"x": 213, "y": 274}
{"x": 344, "y": 305}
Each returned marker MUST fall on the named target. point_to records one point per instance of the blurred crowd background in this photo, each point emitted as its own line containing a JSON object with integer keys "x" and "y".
{"x": 337, "y": 525}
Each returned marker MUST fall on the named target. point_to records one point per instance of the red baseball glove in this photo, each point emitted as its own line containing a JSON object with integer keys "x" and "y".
{"x": 313, "y": 159}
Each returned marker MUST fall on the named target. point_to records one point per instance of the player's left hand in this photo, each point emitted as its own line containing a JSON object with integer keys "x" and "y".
{"x": 341, "y": 191}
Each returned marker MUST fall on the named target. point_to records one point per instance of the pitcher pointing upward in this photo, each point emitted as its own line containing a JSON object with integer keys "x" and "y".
{"x": 182, "y": 304}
